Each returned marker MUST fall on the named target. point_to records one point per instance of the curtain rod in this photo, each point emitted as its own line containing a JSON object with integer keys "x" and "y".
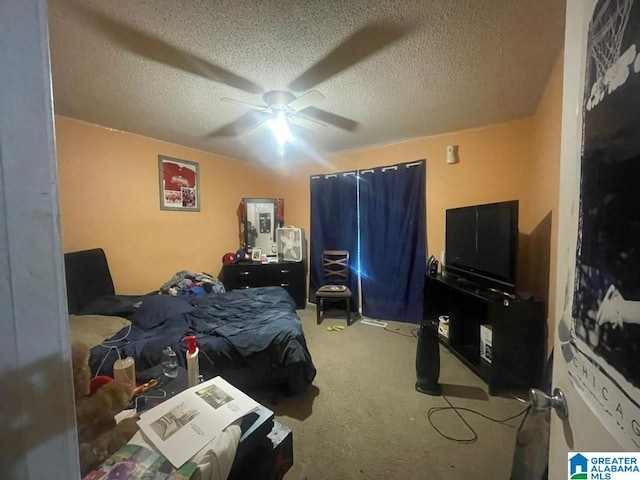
{"x": 367, "y": 170}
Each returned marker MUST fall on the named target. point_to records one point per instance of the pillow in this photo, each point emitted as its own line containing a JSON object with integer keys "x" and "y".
{"x": 92, "y": 330}
{"x": 156, "y": 309}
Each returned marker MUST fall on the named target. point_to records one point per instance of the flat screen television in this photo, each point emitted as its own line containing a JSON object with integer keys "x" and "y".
{"x": 482, "y": 244}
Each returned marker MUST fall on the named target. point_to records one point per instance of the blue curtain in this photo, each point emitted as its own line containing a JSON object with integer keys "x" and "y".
{"x": 393, "y": 241}
{"x": 334, "y": 225}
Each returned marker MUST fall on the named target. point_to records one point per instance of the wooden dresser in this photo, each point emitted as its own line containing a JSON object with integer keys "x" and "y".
{"x": 289, "y": 275}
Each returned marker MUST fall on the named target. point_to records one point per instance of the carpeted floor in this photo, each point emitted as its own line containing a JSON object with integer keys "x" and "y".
{"x": 362, "y": 418}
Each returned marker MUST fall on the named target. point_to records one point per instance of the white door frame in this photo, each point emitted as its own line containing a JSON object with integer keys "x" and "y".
{"x": 38, "y": 433}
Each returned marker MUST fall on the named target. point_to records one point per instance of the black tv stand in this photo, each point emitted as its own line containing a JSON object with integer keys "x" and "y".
{"x": 518, "y": 331}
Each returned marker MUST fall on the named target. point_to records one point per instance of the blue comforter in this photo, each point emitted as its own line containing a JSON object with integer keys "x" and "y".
{"x": 256, "y": 327}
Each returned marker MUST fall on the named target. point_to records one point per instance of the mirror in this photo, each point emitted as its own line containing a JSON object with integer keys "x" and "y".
{"x": 258, "y": 224}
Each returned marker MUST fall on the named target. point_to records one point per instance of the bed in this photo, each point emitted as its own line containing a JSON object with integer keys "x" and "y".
{"x": 253, "y": 338}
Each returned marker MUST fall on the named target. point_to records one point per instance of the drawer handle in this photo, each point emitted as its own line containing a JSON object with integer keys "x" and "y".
{"x": 284, "y": 284}
{"x": 284, "y": 271}
{"x": 245, "y": 286}
{"x": 245, "y": 273}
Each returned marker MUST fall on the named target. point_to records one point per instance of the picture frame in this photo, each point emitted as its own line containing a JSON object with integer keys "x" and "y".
{"x": 256, "y": 254}
{"x": 179, "y": 184}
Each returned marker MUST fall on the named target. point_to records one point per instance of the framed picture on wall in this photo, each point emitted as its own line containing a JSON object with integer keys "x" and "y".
{"x": 179, "y": 184}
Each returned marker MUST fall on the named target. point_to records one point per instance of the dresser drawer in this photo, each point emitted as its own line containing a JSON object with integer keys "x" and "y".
{"x": 243, "y": 276}
{"x": 290, "y": 276}
{"x": 284, "y": 275}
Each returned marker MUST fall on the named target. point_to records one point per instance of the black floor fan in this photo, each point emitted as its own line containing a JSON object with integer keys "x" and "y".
{"x": 428, "y": 359}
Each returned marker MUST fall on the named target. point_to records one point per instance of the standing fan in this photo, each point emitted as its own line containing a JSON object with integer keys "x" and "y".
{"x": 290, "y": 244}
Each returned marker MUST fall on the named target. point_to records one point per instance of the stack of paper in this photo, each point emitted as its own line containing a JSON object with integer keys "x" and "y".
{"x": 181, "y": 426}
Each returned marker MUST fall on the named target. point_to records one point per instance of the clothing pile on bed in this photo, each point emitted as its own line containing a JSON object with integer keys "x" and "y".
{"x": 187, "y": 283}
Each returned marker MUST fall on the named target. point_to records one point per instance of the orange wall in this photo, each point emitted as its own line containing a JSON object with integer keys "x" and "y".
{"x": 109, "y": 198}
{"x": 545, "y": 186}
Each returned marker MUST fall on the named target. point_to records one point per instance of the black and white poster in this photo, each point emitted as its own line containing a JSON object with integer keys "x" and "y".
{"x": 605, "y": 333}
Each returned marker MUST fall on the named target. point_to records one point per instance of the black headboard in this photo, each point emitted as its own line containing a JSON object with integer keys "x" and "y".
{"x": 87, "y": 277}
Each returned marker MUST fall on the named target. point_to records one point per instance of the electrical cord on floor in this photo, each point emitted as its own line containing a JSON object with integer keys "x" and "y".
{"x": 413, "y": 332}
{"x": 457, "y": 410}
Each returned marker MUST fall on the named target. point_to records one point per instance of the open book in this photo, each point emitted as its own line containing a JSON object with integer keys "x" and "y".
{"x": 181, "y": 426}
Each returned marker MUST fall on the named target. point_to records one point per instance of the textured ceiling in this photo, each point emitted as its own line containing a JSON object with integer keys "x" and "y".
{"x": 389, "y": 69}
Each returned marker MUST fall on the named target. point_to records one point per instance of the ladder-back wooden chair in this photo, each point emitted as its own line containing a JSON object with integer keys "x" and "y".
{"x": 335, "y": 269}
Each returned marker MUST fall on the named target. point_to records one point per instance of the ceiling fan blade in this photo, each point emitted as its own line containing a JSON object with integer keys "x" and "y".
{"x": 304, "y": 101}
{"x": 306, "y": 123}
{"x": 331, "y": 118}
{"x": 261, "y": 108}
{"x": 148, "y": 46}
{"x": 362, "y": 44}
{"x": 245, "y": 124}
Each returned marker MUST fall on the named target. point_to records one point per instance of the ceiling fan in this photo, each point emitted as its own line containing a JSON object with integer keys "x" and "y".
{"x": 281, "y": 109}
{"x": 281, "y": 106}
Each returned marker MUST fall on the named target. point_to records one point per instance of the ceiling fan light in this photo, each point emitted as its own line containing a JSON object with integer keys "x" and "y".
{"x": 280, "y": 128}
